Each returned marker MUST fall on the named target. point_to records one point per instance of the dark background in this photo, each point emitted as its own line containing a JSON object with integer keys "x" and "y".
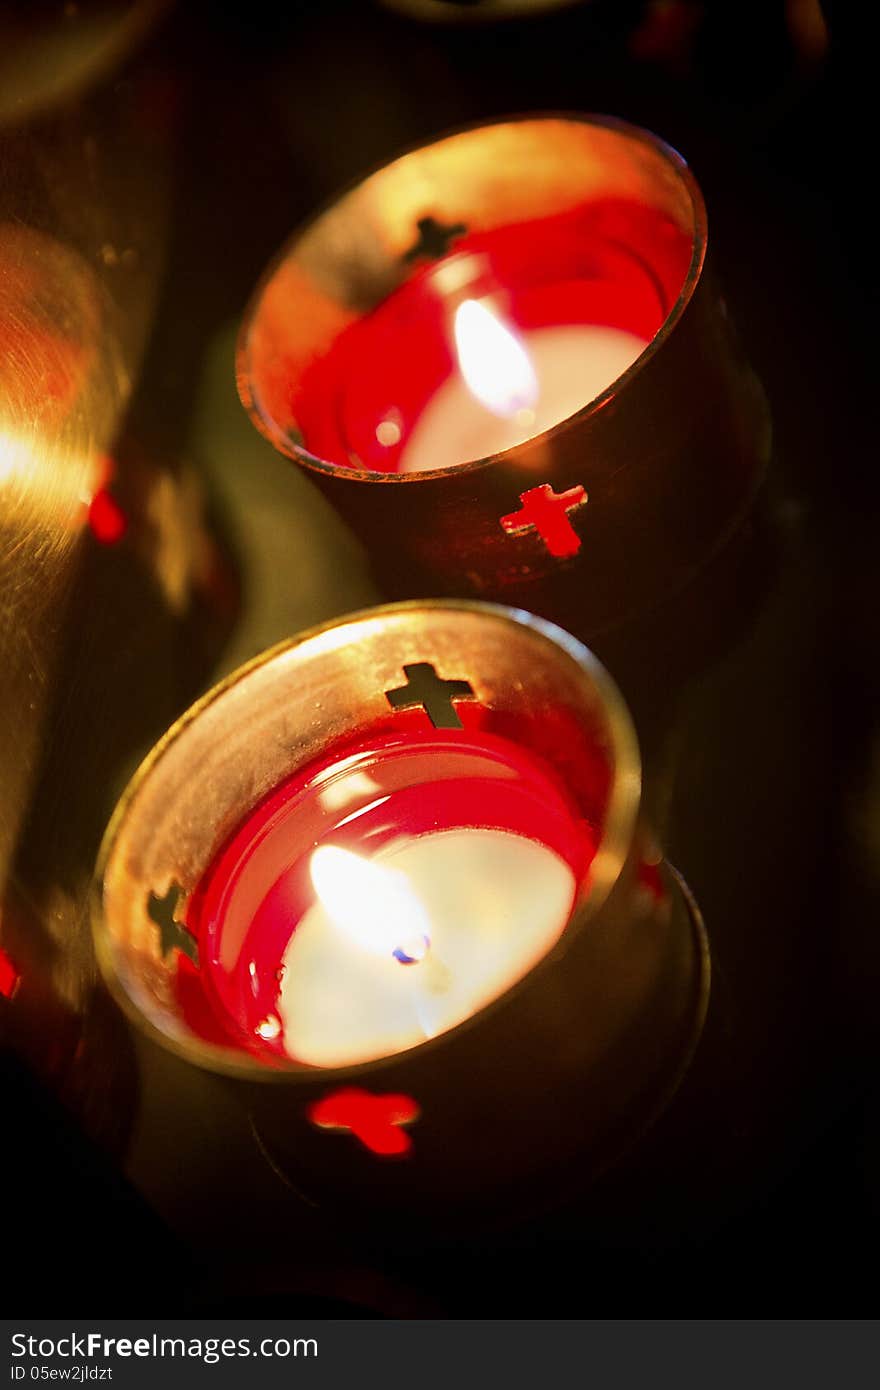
{"x": 758, "y": 1194}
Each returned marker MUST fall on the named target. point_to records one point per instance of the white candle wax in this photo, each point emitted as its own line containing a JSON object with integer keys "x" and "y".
{"x": 572, "y": 363}
{"x": 495, "y": 903}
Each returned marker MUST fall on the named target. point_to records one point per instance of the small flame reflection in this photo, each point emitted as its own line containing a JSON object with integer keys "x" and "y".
{"x": 269, "y": 1029}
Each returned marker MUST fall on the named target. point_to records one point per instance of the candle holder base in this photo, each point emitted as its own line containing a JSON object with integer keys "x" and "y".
{"x": 558, "y": 1179}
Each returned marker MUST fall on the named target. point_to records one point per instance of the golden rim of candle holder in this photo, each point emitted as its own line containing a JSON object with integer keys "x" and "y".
{"x": 339, "y": 237}
{"x": 169, "y": 798}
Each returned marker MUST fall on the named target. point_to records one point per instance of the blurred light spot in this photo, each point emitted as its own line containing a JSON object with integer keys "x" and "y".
{"x": 9, "y": 976}
{"x": 388, "y": 433}
{"x": 107, "y": 520}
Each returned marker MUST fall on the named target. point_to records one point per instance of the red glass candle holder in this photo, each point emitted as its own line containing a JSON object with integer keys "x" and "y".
{"x": 532, "y": 1004}
{"x": 605, "y": 487}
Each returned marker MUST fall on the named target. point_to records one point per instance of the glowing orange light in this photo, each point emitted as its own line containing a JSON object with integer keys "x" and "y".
{"x": 374, "y": 906}
{"x": 494, "y": 363}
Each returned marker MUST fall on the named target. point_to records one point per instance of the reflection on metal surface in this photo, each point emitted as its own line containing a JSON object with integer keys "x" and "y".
{"x": 60, "y": 399}
{"x": 63, "y": 384}
{"x": 101, "y": 550}
{"x": 82, "y": 213}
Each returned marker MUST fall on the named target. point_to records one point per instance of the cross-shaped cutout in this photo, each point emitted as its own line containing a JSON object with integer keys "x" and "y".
{"x": 424, "y": 687}
{"x": 374, "y": 1120}
{"x": 434, "y": 240}
{"x": 546, "y": 512}
{"x": 171, "y": 932}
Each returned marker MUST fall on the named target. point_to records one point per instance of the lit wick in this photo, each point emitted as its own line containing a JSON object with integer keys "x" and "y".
{"x": 372, "y": 905}
{"x": 495, "y": 365}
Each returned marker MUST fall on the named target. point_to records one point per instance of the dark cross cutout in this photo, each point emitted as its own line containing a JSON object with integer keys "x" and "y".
{"x": 434, "y": 239}
{"x": 546, "y": 512}
{"x": 171, "y": 932}
{"x": 374, "y": 1120}
{"x": 425, "y": 687}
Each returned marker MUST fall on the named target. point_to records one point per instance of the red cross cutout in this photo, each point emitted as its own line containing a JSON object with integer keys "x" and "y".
{"x": 375, "y": 1120}
{"x": 546, "y": 512}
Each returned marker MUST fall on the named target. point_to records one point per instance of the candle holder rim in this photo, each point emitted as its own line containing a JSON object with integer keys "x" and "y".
{"x": 622, "y": 810}
{"x": 286, "y": 446}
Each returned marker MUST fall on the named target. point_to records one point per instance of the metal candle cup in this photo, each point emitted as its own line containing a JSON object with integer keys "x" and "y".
{"x": 555, "y": 225}
{"x": 565, "y": 1061}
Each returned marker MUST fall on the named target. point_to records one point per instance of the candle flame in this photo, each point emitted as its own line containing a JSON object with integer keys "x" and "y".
{"x": 494, "y": 363}
{"x": 374, "y": 906}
